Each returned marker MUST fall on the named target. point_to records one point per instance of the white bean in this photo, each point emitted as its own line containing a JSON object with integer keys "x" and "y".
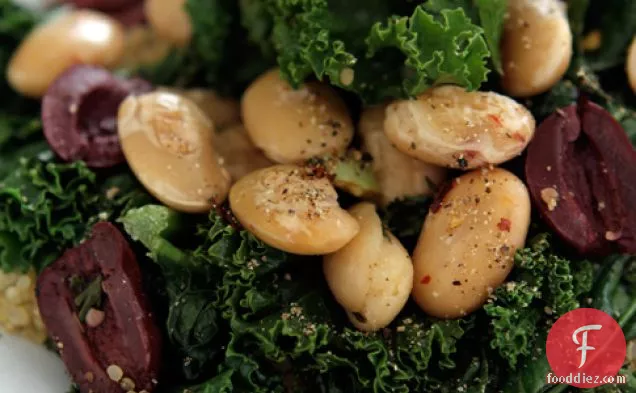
{"x": 168, "y": 143}
{"x": 398, "y": 174}
{"x": 536, "y": 46}
{"x": 372, "y": 276}
{"x": 290, "y": 208}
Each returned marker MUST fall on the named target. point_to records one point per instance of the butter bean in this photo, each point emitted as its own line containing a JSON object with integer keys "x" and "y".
{"x": 222, "y": 111}
{"x": 289, "y": 208}
{"x": 399, "y": 174}
{"x": 239, "y": 154}
{"x": 372, "y": 276}
{"x": 536, "y": 46}
{"x": 630, "y": 65}
{"x": 82, "y": 36}
{"x": 143, "y": 48}
{"x": 451, "y": 127}
{"x": 168, "y": 143}
{"x": 170, "y": 20}
{"x": 293, "y": 125}
{"x": 467, "y": 245}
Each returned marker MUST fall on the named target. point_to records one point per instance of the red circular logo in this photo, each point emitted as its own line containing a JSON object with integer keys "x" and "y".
{"x": 586, "y": 348}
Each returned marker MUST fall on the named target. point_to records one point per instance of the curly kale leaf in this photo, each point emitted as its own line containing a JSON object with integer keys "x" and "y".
{"x": 489, "y": 14}
{"x": 544, "y": 285}
{"x": 376, "y": 49}
{"x": 193, "y": 323}
{"x": 448, "y": 49}
{"x": 288, "y": 333}
{"x": 46, "y": 207}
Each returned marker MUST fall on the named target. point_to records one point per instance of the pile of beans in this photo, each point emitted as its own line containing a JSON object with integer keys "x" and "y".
{"x": 194, "y": 150}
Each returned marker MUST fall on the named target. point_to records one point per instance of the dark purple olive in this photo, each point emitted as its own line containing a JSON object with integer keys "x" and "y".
{"x": 79, "y": 114}
{"x": 130, "y": 16}
{"x": 94, "y": 308}
{"x": 104, "y": 5}
{"x": 581, "y": 172}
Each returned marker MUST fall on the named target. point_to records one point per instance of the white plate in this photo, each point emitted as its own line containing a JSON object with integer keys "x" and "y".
{"x": 29, "y": 368}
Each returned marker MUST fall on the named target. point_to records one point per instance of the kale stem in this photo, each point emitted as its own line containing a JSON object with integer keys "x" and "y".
{"x": 628, "y": 314}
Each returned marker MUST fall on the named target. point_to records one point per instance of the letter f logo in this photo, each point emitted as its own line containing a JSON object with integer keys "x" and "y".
{"x": 584, "y": 347}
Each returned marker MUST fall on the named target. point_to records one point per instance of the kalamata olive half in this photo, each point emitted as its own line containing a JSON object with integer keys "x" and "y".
{"x": 92, "y": 303}
{"x": 581, "y": 171}
{"x": 79, "y": 114}
{"x": 104, "y": 5}
{"x": 130, "y": 16}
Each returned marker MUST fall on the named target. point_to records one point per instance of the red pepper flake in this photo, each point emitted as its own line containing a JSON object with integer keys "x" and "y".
{"x": 517, "y": 136}
{"x": 470, "y": 154}
{"x": 496, "y": 119}
{"x": 504, "y": 224}
{"x": 425, "y": 280}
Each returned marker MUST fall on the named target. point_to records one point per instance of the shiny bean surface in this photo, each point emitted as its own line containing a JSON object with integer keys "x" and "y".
{"x": 168, "y": 143}
{"x": 290, "y": 208}
{"x": 372, "y": 276}
{"x": 536, "y": 46}
{"x": 467, "y": 245}
{"x": 293, "y": 125}
{"x": 451, "y": 127}
{"x": 81, "y": 36}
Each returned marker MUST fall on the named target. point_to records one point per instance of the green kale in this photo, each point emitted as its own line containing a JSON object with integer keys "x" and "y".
{"x": 46, "y": 207}
{"x": 405, "y": 218}
{"x": 19, "y": 116}
{"x": 193, "y": 323}
{"x": 616, "y": 21}
{"x": 543, "y": 284}
{"x": 271, "y": 325}
{"x": 376, "y": 49}
{"x": 615, "y": 294}
{"x": 489, "y": 14}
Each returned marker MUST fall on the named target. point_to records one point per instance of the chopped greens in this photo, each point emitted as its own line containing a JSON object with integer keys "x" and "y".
{"x": 546, "y": 286}
{"x": 352, "y": 44}
{"x": 47, "y": 206}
